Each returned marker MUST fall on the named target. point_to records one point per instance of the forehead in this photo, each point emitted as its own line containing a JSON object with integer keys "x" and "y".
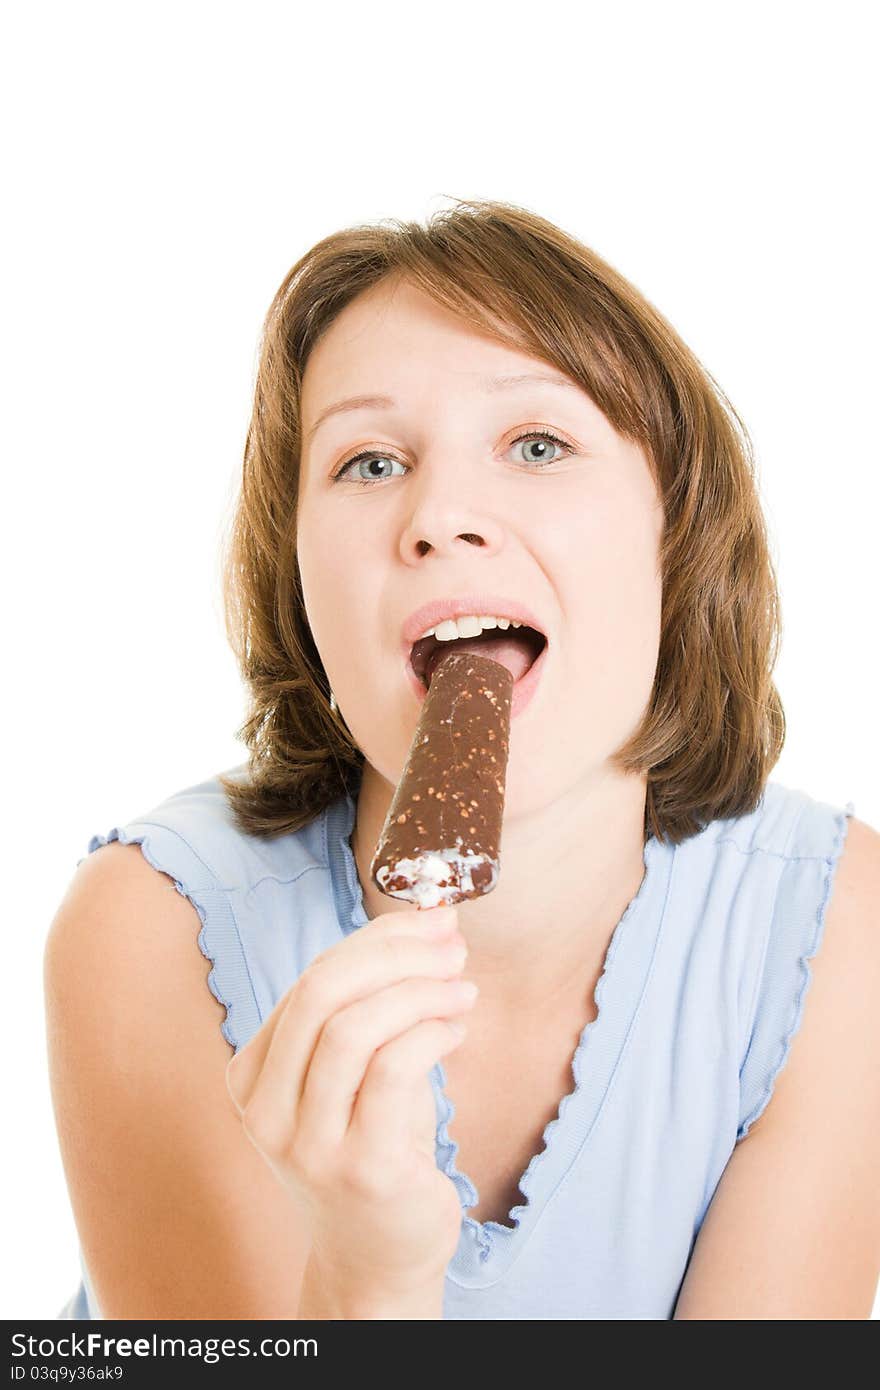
{"x": 393, "y": 332}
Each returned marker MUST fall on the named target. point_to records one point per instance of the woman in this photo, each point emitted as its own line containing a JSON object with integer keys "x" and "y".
{"x": 480, "y": 418}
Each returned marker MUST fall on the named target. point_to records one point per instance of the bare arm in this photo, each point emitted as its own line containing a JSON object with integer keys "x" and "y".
{"x": 177, "y": 1214}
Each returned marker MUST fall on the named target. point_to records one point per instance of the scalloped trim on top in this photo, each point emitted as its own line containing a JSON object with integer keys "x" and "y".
{"x": 143, "y": 840}
{"x": 841, "y": 826}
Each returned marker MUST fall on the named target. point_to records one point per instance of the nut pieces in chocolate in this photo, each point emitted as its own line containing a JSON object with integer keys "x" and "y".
{"x": 441, "y": 839}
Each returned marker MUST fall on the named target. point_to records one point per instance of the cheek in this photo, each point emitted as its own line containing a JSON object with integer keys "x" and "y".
{"x": 342, "y": 586}
{"x": 604, "y": 537}
{"x": 613, "y": 601}
{"x": 324, "y": 584}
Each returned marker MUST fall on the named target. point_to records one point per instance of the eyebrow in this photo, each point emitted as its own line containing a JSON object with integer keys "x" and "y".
{"x": 489, "y": 384}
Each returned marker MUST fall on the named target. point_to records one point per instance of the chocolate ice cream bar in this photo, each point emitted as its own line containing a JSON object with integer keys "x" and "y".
{"x": 441, "y": 838}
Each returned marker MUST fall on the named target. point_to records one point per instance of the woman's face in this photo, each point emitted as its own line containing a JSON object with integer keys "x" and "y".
{"x": 452, "y": 502}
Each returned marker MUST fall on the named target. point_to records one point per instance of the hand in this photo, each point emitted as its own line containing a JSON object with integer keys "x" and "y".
{"x": 333, "y": 1091}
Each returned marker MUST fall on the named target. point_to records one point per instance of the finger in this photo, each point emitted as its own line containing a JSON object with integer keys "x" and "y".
{"x": 384, "y": 1112}
{"x": 246, "y": 1064}
{"x": 350, "y": 1043}
{"x": 333, "y": 981}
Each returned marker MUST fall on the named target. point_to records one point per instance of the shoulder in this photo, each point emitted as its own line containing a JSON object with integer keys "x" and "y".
{"x": 120, "y": 937}
{"x": 786, "y": 823}
{"x": 197, "y": 823}
{"x": 262, "y": 907}
{"x": 833, "y": 1066}
{"x": 833, "y": 1070}
{"x": 797, "y": 1200}
{"x": 853, "y": 918}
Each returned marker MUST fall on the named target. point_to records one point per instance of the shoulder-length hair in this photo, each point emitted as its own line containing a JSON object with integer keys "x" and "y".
{"x": 714, "y": 725}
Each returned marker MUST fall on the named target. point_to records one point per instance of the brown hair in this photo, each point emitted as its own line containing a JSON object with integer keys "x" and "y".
{"x": 714, "y": 726}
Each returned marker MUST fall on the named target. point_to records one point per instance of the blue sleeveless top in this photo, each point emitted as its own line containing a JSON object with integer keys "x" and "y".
{"x": 702, "y": 991}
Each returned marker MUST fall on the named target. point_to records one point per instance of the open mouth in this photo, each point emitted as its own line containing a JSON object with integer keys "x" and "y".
{"x": 515, "y": 648}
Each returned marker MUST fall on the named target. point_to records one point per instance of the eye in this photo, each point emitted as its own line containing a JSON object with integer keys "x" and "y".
{"x": 541, "y": 437}
{"x": 368, "y": 455}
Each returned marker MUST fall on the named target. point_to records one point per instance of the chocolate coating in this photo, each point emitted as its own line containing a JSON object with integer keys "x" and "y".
{"x": 441, "y": 839}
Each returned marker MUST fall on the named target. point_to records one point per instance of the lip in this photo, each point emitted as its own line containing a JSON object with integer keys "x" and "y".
{"x": 524, "y": 689}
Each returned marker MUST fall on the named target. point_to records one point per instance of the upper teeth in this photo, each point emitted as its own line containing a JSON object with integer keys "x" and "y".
{"x": 468, "y": 626}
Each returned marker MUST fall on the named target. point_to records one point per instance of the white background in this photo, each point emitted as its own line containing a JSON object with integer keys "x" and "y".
{"x": 166, "y": 164}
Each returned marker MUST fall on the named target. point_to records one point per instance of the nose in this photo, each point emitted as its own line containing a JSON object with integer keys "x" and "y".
{"x": 452, "y": 504}
{"x": 424, "y": 546}
{"x": 445, "y": 519}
